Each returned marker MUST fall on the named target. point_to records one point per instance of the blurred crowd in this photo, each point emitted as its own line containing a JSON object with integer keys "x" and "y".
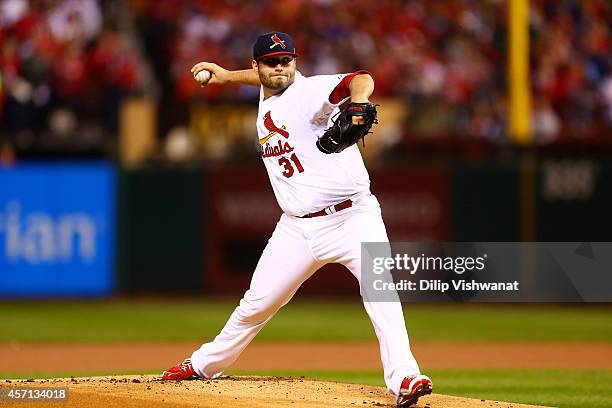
{"x": 571, "y": 67}
{"x": 446, "y": 60}
{"x": 441, "y": 57}
{"x": 65, "y": 67}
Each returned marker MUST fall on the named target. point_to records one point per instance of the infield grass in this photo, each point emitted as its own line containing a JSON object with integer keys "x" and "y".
{"x": 301, "y": 320}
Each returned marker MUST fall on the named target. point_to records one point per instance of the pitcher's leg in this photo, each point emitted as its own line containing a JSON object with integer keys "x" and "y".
{"x": 389, "y": 325}
{"x": 284, "y": 265}
{"x": 387, "y": 317}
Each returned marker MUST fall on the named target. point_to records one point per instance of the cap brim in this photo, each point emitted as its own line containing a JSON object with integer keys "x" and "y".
{"x": 277, "y": 53}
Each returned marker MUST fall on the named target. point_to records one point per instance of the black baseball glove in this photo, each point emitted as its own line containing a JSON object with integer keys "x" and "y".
{"x": 343, "y": 133}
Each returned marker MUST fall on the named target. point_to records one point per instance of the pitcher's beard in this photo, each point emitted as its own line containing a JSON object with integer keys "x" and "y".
{"x": 276, "y": 84}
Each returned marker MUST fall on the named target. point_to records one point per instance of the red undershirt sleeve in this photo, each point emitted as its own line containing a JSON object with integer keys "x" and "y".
{"x": 342, "y": 90}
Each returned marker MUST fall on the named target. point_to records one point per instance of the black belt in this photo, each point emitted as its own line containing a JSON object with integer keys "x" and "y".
{"x": 330, "y": 210}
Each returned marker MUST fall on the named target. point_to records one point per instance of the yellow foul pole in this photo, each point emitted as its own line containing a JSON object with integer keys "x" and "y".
{"x": 519, "y": 123}
{"x": 519, "y": 87}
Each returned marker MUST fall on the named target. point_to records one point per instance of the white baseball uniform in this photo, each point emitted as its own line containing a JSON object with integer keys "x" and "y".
{"x": 305, "y": 181}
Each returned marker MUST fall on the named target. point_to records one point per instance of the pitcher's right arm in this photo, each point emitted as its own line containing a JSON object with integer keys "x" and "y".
{"x": 220, "y": 75}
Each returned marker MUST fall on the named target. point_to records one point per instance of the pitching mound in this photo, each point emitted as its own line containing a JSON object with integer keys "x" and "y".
{"x": 251, "y": 392}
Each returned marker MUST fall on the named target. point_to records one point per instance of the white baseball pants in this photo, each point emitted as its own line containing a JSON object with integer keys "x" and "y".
{"x": 297, "y": 248}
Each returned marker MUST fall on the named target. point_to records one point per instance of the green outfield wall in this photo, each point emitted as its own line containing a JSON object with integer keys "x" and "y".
{"x": 203, "y": 228}
{"x": 161, "y": 227}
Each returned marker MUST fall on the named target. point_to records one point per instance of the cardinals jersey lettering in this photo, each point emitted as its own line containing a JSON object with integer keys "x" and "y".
{"x": 304, "y": 179}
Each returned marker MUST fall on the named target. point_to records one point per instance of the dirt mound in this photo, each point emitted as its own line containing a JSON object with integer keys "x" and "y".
{"x": 251, "y": 392}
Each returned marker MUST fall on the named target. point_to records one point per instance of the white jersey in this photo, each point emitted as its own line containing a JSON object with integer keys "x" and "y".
{"x": 304, "y": 179}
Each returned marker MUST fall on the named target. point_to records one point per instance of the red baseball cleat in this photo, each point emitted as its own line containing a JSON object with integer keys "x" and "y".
{"x": 180, "y": 372}
{"x": 412, "y": 389}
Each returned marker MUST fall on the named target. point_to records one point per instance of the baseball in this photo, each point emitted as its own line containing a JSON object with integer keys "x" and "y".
{"x": 203, "y": 76}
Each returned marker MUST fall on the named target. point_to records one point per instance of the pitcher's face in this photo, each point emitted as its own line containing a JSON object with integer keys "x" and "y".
{"x": 276, "y": 72}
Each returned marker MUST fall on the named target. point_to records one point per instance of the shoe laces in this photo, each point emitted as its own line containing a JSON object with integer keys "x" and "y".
{"x": 186, "y": 365}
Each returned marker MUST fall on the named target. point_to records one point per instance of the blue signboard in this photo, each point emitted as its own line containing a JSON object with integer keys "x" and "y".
{"x": 57, "y": 229}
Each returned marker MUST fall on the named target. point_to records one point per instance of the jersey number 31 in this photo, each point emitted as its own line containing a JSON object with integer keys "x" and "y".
{"x": 288, "y": 171}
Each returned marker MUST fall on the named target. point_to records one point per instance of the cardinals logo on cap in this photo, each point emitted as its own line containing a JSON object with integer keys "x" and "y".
{"x": 277, "y": 41}
{"x": 267, "y": 43}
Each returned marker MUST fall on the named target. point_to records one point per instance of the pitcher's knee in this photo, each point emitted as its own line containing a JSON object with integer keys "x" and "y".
{"x": 256, "y": 311}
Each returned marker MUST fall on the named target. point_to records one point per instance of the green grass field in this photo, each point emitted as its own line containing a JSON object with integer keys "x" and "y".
{"x": 156, "y": 320}
{"x": 161, "y": 321}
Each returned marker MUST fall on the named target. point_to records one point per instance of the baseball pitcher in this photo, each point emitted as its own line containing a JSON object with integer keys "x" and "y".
{"x": 308, "y": 129}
